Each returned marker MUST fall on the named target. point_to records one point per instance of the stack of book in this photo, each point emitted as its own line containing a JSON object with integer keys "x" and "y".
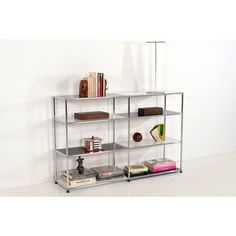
{"x": 159, "y": 165}
{"x": 75, "y": 179}
{"x": 136, "y": 170}
{"x": 108, "y": 172}
{"x": 96, "y": 85}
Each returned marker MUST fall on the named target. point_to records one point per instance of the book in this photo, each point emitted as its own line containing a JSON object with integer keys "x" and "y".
{"x": 95, "y": 86}
{"x": 98, "y": 85}
{"x": 107, "y": 171}
{"x": 74, "y": 174}
{"x": 79, "y": 182}
{"x": 135, "y": 169}
{"x": 89, "y": 86}
{"x": 101, "y": 85}
{"x": 159, "y": 165}
{"x": 92, "y": 87}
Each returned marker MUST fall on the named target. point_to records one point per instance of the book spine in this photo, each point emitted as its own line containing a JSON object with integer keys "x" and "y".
{"x": 102, "y": 84}
{"x": 89, "y": 84}
{"x": 92, "y": 86}
{"x": 83, "y": 182}
{"x": 98, "y": 84}
{"x": 95, "y": 85}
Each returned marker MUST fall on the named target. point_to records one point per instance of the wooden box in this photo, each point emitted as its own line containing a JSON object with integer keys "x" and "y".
{"x": 93, "y": 115}
{"x": 149, "y": 111}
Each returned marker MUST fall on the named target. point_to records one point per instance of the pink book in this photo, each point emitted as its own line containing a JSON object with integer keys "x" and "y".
{"x": 158, "y": 165}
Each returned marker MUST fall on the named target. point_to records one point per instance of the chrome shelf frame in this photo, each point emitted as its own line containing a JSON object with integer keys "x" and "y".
{"x": 115, "y": 146}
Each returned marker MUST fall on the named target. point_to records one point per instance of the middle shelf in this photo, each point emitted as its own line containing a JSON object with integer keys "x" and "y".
{"x": 121, "y": 116}
{"x": 113, "y": 147}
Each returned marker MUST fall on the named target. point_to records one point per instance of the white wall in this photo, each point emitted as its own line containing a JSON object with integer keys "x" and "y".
{"x": 32, "y": 71}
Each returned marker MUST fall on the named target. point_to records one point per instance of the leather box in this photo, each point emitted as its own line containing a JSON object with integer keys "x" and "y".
{"x": 149, "y": 111}
{"x": 93, "y": 115}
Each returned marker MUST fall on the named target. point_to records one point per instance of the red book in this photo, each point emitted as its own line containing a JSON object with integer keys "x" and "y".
{"x": 101, "y": 85}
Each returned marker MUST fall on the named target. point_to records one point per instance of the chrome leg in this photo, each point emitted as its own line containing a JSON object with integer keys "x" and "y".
{"x": 128, "y": 138}
{"x": 114, "y": 131}
{"x": 164, "y": 146}
{"x": 55, "y": 142}
{"x": 67, "y": 145}
{"x": 181, "y": 138}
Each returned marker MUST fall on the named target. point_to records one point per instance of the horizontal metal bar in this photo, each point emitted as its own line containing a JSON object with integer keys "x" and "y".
{"x": 156, "y": 42}
{"x": 177, "y": 170}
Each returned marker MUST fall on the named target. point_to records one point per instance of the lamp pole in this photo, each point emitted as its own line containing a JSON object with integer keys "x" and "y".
{"x": 155, "y": 44}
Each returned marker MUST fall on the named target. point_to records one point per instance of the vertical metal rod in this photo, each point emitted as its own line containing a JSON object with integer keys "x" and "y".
{"x": 128, "y": 138}
{"x": 164, "y": 146}
{"x": 67, "y": 145}
{"x": 55, "y": 141}
{"x": 155, "y": 66}
{"x": 182, "y": 127}
{"x": 114, "y": 130}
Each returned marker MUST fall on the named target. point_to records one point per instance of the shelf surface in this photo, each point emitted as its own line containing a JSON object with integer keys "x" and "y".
{"x": 76, "y": 97}
{"x": 109, "y": 181}
{"x": 98, "y": 182}
{"x": 77, "y": 121}
{"x": 134, "y": 115}
{"x": 149, "y": 142}
{"x": 116, "y": 95}
{"x": 79, "y": 151}
{"x": 155, "y": 174}
{"x": 121, "y": 116}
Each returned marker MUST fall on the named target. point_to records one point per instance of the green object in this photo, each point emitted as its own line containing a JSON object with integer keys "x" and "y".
{"x": 158, "y": 132}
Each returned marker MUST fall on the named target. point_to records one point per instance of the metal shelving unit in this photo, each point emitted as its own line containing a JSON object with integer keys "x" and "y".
{"x": 113, "y": 147}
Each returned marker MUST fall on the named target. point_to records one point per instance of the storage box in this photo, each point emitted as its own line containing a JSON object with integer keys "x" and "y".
{"x": 149, "y": 111}
{"x": 93, "y": 115}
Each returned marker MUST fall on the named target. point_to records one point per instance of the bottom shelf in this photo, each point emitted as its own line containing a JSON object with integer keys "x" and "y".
{"x": 109, "y": 181}
{"x": 177, "y": 170}
{"x": 98, "y": 182}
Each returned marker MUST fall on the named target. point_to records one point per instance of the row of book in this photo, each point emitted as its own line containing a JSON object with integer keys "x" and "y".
{"x": 90, "y": 176}
{"x": 96, "y": 85}
{"x": 152, "y": 166}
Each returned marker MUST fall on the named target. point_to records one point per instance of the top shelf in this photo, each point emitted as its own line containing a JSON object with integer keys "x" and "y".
{"x": 117, "y": 95}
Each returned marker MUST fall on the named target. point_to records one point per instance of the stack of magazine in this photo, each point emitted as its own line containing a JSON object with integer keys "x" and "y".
{"x": 108, "y": 172}
{"x": 160, "y": 165}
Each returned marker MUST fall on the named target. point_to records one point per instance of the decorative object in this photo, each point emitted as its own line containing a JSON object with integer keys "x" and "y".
{"x": 93, "y": 144}
{"x": 93, "y": 86}
{"x": 137, "y": 137}
{"x": 107, "y": 172}
{"x": 80, "y": 167}
{"x": 93, "y": 115}
{"x": 83, "y": 88}
{"x": 158, "y": 132}
{"x": 160, "y": 165}
{"x": 149, "y": 111}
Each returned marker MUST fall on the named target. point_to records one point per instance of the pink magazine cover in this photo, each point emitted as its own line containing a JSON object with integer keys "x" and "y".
{"x": 157, "y": 165}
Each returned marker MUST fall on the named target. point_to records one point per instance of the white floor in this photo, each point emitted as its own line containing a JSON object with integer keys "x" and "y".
{"x": 208, "y": 176}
